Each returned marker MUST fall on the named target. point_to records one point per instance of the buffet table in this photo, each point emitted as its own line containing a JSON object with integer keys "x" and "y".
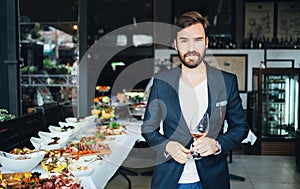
{"x": 120, "y": 148}
{"x": 105, "y": 170}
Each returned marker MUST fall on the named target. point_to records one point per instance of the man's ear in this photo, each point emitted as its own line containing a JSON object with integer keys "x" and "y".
{"x": 175, "y": 44}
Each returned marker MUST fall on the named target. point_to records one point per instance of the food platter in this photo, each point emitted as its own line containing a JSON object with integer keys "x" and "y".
{"x": 77, "y": 149}
{"x": 112, "y": 129}
{"x": 89, "y": 148}
{"x": 35, "y": 180}
{"x": 55, "y": 164}
{"x": 13, "y": 180}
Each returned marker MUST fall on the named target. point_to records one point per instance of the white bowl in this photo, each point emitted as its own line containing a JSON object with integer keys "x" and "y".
{"x": 71, "y": 120}
{"x": 64, "y": 135}
{"x": 80, "y": 127}
{"x": 75, "y": 125}
{"x": 57, "y": 129}
{"x": 90, "y": 118}
{"x": 65, "y": 124}
{"x": 48, "y": 135}
{"x": 20, "y": 165}
{"x": 79, "y": 170}
{"x": 43, "y": 143}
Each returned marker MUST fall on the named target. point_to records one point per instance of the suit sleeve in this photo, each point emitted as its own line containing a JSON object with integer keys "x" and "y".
{"x": 151, "y": 124}
{"x": 236, "y": 119}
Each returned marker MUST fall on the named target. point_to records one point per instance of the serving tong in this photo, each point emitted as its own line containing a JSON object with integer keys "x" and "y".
{"x": 93, "y": 159}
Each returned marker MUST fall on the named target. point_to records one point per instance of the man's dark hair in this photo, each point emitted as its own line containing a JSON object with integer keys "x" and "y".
{"x": 190, "y": 18}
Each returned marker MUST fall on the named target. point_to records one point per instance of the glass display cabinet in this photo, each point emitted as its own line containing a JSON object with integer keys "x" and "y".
{"x": 274, "y": 109}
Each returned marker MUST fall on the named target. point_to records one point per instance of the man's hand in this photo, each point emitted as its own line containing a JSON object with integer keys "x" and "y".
{"x": 205, "y": 146}
{"x": 178, "y": 152}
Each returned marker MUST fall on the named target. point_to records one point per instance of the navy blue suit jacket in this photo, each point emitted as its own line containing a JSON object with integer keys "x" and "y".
{"x": 163, "y": 104}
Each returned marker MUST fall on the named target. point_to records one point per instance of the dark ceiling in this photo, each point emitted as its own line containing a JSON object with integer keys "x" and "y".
{"x": 62, "y": 14}
{"x": 219, "y": 12}
{"x": 104, "y": 16}
{"x": 107, "y": 15}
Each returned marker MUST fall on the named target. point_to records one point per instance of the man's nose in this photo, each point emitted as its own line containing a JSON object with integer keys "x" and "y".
{"x": 191, "y": 46}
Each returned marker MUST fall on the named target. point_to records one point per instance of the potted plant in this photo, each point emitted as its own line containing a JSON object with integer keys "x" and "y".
{"x": 4, "y": 115}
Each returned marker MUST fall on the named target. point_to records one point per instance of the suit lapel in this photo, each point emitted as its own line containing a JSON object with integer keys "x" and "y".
{"x": 217, "y": 93}
{"x": 173, "y": 91}
{"x": 212, "y": 82}
{"x": 182, "y": 127}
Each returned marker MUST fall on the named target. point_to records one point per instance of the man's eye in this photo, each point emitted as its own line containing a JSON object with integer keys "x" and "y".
{"x": 183, "y": 41}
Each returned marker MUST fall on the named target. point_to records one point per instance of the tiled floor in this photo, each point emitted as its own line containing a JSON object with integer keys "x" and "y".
{"x": 260, "y": 172}
{"x": 265, "y": 172}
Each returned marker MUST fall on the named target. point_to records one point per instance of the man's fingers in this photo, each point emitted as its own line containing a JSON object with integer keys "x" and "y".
{"x": 187, "y": 151}
{"x": 204, "y": 146}
{"x": 182, "y": 157}
{"x": 178, "y": 152}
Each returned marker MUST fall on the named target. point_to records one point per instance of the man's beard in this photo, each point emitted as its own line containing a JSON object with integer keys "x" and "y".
{"x": 188, "y": 63}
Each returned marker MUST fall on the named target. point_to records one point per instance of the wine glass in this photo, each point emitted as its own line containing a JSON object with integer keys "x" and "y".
{"x": 198, "y": 131}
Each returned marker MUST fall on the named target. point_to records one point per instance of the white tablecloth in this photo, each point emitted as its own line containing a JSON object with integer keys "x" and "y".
{"x": 109, "y": 165}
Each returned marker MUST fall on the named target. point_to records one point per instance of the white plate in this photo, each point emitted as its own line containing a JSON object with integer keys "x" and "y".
{"x": 73, "y": 168}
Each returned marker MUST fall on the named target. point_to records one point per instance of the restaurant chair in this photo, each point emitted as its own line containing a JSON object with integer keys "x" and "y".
{"x": 53, "y": 115}
{"x": 30, "y": 125}
{"x": 68, "y": 111}
{"x": 16, "y": 133}
{"x": 9, "y": 135}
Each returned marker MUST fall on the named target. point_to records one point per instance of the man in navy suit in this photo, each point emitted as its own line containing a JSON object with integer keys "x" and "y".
{"x": 181, "y": 97}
